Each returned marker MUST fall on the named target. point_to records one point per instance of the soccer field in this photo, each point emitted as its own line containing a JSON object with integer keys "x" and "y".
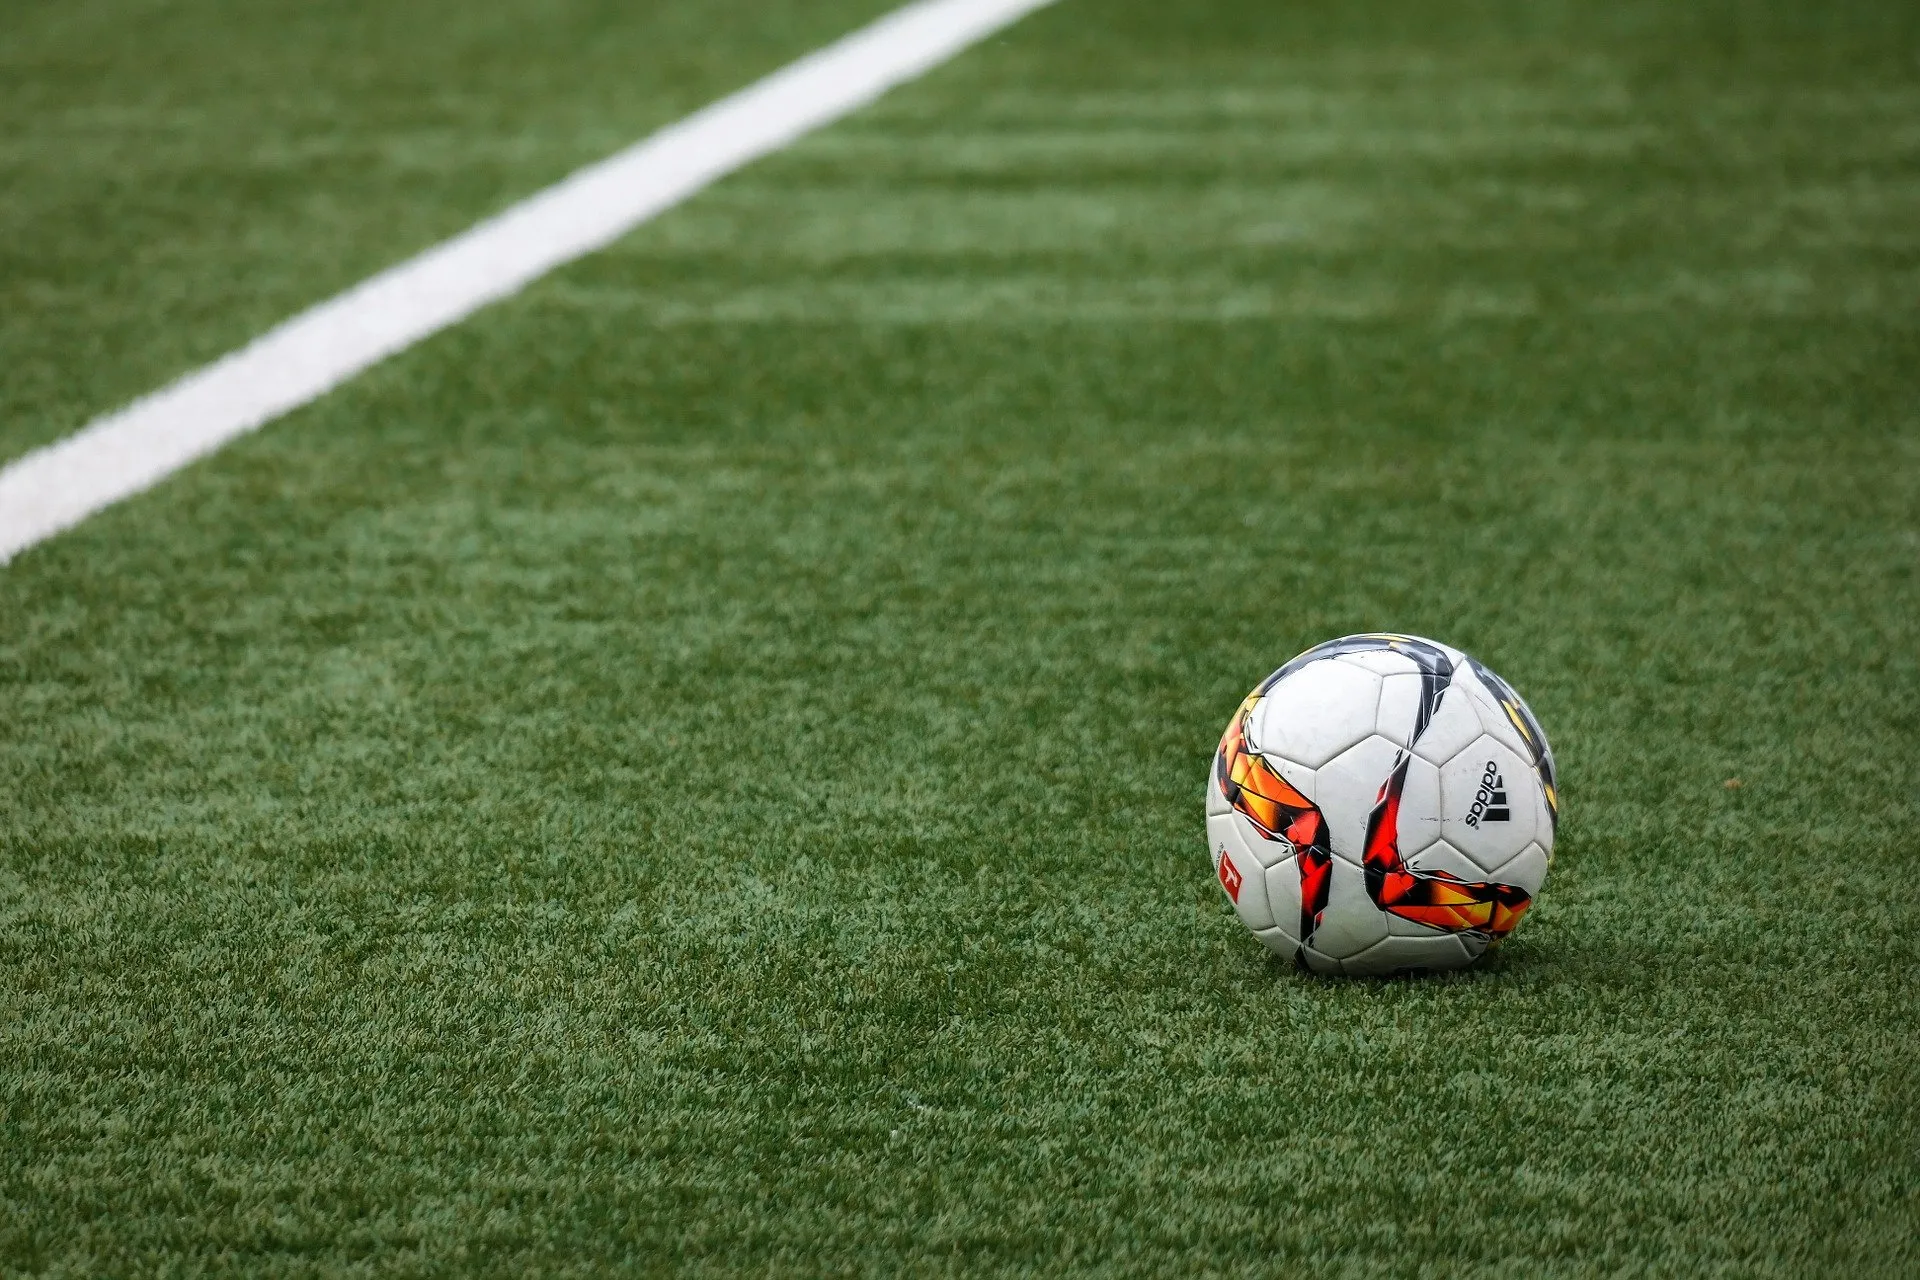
{"x": 699, "y": 768}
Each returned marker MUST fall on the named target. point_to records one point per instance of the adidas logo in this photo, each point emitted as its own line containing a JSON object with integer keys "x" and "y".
{"x": 1490, "y": 801}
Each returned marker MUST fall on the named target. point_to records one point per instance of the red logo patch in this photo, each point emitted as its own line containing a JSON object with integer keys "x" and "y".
{"x": 1230, "y": 878}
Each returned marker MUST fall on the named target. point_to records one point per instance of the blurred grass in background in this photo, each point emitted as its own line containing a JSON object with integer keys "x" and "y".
{"x": 700, "y": 766}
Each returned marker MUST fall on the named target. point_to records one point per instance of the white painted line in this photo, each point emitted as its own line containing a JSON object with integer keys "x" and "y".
{"x": 121, "y": 454}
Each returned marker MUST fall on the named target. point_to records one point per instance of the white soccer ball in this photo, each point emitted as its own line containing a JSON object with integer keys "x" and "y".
{"x": 1382, "y": 803}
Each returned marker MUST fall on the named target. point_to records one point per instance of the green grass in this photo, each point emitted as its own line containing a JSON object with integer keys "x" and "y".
{"x": 178, "y": 175}
{"x": 700, "y": 767}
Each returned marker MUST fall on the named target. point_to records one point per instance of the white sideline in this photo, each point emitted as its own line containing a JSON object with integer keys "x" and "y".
{"x": 122, "y": 453}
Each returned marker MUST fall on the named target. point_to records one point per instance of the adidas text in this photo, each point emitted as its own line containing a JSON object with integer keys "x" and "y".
{"x": 1490, "y": 801}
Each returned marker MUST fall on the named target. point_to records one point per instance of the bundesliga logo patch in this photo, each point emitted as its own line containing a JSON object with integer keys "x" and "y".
{"x": 1229, "y": 877}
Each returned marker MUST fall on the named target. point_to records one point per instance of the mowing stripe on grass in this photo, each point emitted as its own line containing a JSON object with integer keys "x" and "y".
{"x": 125, "y": 452}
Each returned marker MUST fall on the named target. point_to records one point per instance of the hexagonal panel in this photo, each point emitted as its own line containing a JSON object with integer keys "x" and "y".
{"x": 1528, "y": 869}
{"x": 1216, "y": 798}
{"x": 1240, "y": 875}
{"x": 1351, "y": 923}
{"x": 1473, "y": 817}
{"x": 1544, "y": 834}
{"x": 1324, "y": 965}
{"x": 1399, "y": 955}
{"x": 1278, "y": 942}
{"x": 1315, "y": 713}
{"x": 1441, "y": 857}
{"x": 1349, "y": 784}
{"x": 1283, "y": 897}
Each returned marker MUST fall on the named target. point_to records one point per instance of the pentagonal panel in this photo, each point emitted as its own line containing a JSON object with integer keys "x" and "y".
{"x": 1315, "y": 713}
{"x": 1283, "y": 897}
{"x": 1349, "y": 785}
{"x": 1496, "y": 722}
{"x": 1455, "y": 722}
{"x": 1242, "y": 878}
{"x": 1441, "y": 856}
{"x": 1489, "y": 803}
{"x": 1351, "y": 923}
{"x": 1264, "y": 852}
{"x": 1297, "y": 775}
{"x": 1399, "y": 955}
{"x": 1516, "y": 711}
{"x": 1528, "y": 869}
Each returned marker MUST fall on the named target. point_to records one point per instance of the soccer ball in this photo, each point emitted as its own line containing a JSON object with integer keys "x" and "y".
{"x": 1382, "y": 803}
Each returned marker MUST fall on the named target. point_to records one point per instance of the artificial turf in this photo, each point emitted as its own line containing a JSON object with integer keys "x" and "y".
{"x": 178, "y": 175}
{"x": 700, "y": 767}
